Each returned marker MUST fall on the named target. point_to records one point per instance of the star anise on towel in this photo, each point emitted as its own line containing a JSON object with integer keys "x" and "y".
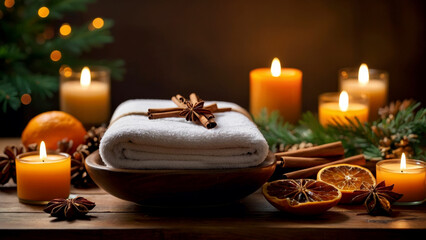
{"x": 69, "y": 208}
{"x": 377, "y": 199}
{"x": 192, "y": 110}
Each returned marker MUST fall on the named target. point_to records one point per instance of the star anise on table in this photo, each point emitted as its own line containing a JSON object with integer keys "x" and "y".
{"x": 7, "y": 163}
{"x": 69, "y": 208}
{"x": 377, "y": 199}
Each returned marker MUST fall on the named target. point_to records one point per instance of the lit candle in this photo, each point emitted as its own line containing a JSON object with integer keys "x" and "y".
{"x": 333, "y": 107}
{"x": 371, "y": 83}
{"x": 42, "y": 177}
{"x": 408, "y": 176}
{"x": 276, "y": 88}
{"x": 87, "y": 99}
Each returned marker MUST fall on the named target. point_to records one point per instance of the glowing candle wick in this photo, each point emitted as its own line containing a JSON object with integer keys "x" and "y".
{"x": 276, "y": 67}
{"x": 403, "y": 165}
{"x": 43, "y": 154}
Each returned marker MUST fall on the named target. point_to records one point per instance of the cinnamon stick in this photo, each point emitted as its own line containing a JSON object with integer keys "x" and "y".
{"x": 325, "y": 150}
{"x": 161, "y": 110}
{"x": 164, "y": 114}
{"x": 207, "y": 122}
{"x": 308, "y": 172}
{"x": 304, "y": 162}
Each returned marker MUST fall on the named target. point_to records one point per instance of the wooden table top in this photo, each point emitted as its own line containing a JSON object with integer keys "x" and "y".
{"x": 251, "y": 218}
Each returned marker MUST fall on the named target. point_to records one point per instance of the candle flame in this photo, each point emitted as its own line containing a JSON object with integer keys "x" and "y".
{"x": 403, "y": 165}
{"x": 43, "y": 154}
{"x": 276, "y": 67}
{"x": 343, "y": 101}
{"x": 363, "y": 75}
{"x": 85, "y": 77}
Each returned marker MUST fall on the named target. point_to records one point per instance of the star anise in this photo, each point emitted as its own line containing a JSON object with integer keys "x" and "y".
{"x": 69, "y": 208}
{"x": 7, "y": 163}
{"x": 192, "y": 110}
{"x": 377, "y": 199}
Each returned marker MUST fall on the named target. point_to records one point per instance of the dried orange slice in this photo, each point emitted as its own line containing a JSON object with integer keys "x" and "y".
{"x": 301, "y": 196}
{"x": 347, "y": 178}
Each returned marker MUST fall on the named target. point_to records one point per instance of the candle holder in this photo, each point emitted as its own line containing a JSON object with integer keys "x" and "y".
{"x": 376, "y": 89}
{"x": 329, "y": 110}
{"x": 88, "y": 103}
{"x": 410, "y": 181}
{"x": 39, "y": 181}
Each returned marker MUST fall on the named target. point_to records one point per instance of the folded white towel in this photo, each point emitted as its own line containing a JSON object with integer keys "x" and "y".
{"x": 136, "y": 142}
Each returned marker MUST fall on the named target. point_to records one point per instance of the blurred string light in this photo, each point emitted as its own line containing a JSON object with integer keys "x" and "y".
{"x": 9, "y": 3}
{"x": 55, "y": 55}
{"x": 65, "y": 70}
{"x": 26, "y": 99}
{"x": 43, "y": 12}
{"x": 65, "y": 29}
{"x": 97, "y": 23}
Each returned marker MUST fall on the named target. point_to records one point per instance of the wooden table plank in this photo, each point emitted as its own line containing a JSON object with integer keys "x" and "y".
{"x": 252, "y": 218}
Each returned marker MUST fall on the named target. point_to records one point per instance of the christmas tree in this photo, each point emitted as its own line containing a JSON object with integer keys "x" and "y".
{"x": 35, "y": 44}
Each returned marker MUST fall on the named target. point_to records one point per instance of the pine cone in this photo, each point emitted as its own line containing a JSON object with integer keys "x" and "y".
{"x": 7, "y": 163}
{"x": 389, "y": 111}
{"x": 65, "y": 146}
{"x": 79, "y": 176}
{"x": 393, "y": 148}
{"x": 93, "y": 138}
{"x": 294, "y": 147}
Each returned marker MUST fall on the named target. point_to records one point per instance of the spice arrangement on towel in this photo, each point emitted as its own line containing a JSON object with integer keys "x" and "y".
{"x": 135, "y": 142}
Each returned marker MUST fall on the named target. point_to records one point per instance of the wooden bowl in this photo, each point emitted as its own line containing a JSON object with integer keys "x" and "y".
{"x": 179, "y": 187}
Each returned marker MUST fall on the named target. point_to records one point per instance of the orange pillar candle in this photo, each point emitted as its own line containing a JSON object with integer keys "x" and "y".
{"x": 333, "y": 107}
{"x": 408, "y": 176}
{"x": 43, "y": 177}
{"x": 372, "y": 83}
{"x": 276, "y": 89}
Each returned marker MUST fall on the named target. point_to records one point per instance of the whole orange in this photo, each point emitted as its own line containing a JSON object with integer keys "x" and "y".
{"x": 52, "y": 127}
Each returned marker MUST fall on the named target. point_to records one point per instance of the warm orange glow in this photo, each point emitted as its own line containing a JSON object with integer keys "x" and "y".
{"x": 9, "y": 3}
{"x": 98, "y": 23}
{"x": 343, "y": 101}
{"x": 363, "y": 75}
{"x": 403, "y": 165}
{"x": 43, "y": 154}
{"x": 65, "y": 29}
{"x": 55, "y": 55}
{"x": 26, "y": 99}
{"x": 276, "y": 67}
{"x": 43, "y": 12}
{"x": 85, "y": 77}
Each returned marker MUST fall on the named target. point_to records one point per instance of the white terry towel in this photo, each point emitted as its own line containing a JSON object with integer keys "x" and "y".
{"x": 135, "y": 142}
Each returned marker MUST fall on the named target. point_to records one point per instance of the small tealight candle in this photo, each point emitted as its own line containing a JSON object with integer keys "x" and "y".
{"x": 372, "y": 83}
{"x": 408, "y": 177}
{"x": 42, "y": 177}
{"x": 276, "y": 89}
{"x": 334, "y": 107}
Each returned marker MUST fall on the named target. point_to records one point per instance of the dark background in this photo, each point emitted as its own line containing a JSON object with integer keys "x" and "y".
{"x": 209, "y": 47}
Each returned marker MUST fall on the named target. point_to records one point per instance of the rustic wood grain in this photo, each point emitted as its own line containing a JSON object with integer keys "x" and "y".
{"x": 251, "y": 218}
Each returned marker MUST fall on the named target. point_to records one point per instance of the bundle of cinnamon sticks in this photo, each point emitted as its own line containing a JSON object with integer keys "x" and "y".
{"x": 307, "y": 162}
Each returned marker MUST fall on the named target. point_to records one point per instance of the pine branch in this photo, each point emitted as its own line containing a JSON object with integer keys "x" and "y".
{"x": 408, "y": 124}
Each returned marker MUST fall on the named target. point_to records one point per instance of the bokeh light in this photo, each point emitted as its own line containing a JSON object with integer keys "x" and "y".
{"x": 26, "y": 99}
{"x": 65, "y": 29}
{"x": 9, "y": 3}
{"x": 98, "y": 23}
{"x": 43, "y": 12}
{"x": 55, "y": 55}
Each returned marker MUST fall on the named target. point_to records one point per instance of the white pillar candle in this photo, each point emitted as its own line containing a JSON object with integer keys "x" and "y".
{"x": 371, "y": 83}
{"x": 87, "y": 96}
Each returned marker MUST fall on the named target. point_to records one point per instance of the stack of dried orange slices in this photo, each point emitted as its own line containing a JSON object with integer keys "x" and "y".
{"x": 335, "y": 184}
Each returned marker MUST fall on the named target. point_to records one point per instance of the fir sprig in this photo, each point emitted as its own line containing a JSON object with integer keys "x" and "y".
{"x": 356, "y": 137}
{"x": 27, "y": 41}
